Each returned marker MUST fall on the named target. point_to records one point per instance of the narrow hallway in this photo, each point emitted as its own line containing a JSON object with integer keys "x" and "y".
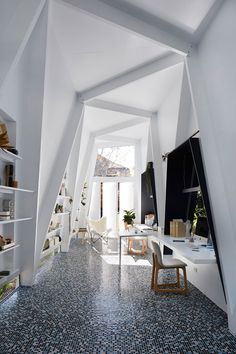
{"x": 82, "y": 304}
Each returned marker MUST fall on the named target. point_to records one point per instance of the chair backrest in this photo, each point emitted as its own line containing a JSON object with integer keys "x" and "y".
{"x": 157, "y": 252}
{"x": 99, "y": 225}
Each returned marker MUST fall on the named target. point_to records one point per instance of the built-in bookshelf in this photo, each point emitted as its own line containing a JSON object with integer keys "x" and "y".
{"x": 59, "y": 224}
{"x": 10, "y": 215}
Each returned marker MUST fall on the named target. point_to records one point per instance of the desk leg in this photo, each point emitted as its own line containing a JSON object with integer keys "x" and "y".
{"x": 120, "y": 252}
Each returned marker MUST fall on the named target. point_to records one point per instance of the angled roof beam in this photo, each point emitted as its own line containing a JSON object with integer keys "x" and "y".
{"x": 158, "y": 31}
{"x": 198, "y": 34}
{"x": 119, "y": 126}
{"x": 110, "y": 106}
{"x": 119, "y": 139}
{"x": 137, "y": 73}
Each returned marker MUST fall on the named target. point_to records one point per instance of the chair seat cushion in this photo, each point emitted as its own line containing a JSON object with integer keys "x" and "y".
{"x": 170, "y": 262}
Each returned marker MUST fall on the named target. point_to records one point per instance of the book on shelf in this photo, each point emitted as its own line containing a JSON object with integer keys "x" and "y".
{"x": 3, "y": 218}
{"x": 5, "y": 213}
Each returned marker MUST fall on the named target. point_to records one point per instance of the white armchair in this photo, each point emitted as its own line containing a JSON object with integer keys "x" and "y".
{"x": 97, "y": 229}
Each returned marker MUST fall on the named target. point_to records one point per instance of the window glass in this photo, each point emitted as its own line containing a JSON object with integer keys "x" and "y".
{"x": 117, "y": 161}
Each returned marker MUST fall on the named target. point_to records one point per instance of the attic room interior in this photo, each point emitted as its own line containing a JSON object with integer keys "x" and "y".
{"x": 117, "y": 208}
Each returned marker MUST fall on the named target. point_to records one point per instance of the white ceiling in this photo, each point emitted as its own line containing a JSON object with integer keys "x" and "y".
{"x": 97, "y": 119}
{"x": 147, "y": 93}
{"x": 95, "y": 51}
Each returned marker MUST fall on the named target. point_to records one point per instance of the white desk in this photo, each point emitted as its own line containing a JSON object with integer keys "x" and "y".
{"x": 192, "y": 251}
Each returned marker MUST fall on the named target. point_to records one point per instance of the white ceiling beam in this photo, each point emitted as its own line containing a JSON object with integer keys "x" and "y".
{"x": 135, "y": 74}
{"x": 198, "y": 34}
{"x": 117, "y": 127}
{"x": 119, "y": 139}
{"x": 115, "y": 107}
{"x": 159, "y": 31}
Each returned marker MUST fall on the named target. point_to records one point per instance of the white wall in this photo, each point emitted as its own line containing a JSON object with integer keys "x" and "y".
{"x": 22, "y": 98}
{"x": 17, "y": 20}
{"x": 213, "y": 76}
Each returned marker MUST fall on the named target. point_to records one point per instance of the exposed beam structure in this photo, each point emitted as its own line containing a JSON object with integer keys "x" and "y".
{"x": 116, "y": 127}
{"x": 207, "y": 20}
{"x": 115, "y": 107}
{"x": 135, "y": 74}
{"x": 119, "y": 139}
{"x": 159, "y": 31}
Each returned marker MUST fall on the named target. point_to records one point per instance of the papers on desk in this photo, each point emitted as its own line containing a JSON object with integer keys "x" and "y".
{"x": 142, "y": 227}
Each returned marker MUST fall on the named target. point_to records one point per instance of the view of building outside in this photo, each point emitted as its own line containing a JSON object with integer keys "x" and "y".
{"x": 117, "y": 161}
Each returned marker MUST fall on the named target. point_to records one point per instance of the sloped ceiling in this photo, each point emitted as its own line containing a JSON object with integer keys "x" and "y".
{"x": 96, "y": 51}
{"x": 184, "y": 14}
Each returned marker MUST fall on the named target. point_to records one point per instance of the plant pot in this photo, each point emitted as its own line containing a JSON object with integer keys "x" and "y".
{"x": 128, "y": 225}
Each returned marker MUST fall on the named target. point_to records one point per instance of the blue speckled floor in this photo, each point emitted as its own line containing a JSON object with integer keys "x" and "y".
{"x": 82, "y": 304}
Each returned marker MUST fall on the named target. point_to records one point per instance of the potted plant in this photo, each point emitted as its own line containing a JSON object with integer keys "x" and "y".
{"x": 128, "y": 218}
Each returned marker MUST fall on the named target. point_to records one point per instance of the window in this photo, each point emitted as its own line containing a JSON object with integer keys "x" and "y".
{"x": 117, "y": 161}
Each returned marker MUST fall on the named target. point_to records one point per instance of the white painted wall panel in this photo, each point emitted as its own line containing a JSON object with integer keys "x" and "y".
{"x": 213, "y": 75}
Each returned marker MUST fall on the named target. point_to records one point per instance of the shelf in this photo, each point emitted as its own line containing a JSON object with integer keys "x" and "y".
{"x": 50, "y": 250}
{"x": 9, "y": 249}
{"x": 9, "y": 277}
{"x": 8, "y": 156}
{"x": 63, "y": 197}
{"x": 65, "y": 213}
{"x": 14, "y": 220}
{"x": 190, "y": 190}
{"x": 52, "y": 232}
{"x": 6, "y": 189}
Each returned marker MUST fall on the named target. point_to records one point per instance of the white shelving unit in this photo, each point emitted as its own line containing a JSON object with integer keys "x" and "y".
{"x": 63, "y": 220}
{"x": 8, "y": 278}
{"x": 9, "y": 249}
{"x": 10, "y": 258}
{"x": 50, "y": 250}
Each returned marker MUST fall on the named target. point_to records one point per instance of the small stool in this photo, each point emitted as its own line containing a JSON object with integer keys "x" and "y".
{"x": 130, "y": 245}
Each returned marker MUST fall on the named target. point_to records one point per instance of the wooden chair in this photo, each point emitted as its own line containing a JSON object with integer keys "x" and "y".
{"x": 168, "y": 262}
{"x": 97, "y": 229}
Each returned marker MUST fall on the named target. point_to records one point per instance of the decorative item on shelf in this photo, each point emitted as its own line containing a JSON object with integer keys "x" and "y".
{"x": 9, "y": 175}
{"x": 56, "y": 239}
{"x": 15, "y": 184}
{"x": 8, "y": 205}
{"x": 6, "y": 243}
{"x": 46, "y": 244}
{"x": 63, "y": 190}
{"x": 58, "y": 208}
{"x": 13, "y": 151}
{"x": 128, "y": 218}
{"x": 4, "y": 139}
{"x": 83, "y": 194}
{"x": 5, "y": 215}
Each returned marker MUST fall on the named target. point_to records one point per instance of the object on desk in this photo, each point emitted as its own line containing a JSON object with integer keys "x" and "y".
{"x": 149, "y": 219}
{"x": 187, "y": 228}
{"x": 195, "y": 249}
{"x": 177, "y": 228}
{"x": 178, "y": 240}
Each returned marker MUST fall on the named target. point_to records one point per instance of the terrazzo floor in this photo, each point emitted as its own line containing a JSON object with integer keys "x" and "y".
{"x": 82, "y": 303}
